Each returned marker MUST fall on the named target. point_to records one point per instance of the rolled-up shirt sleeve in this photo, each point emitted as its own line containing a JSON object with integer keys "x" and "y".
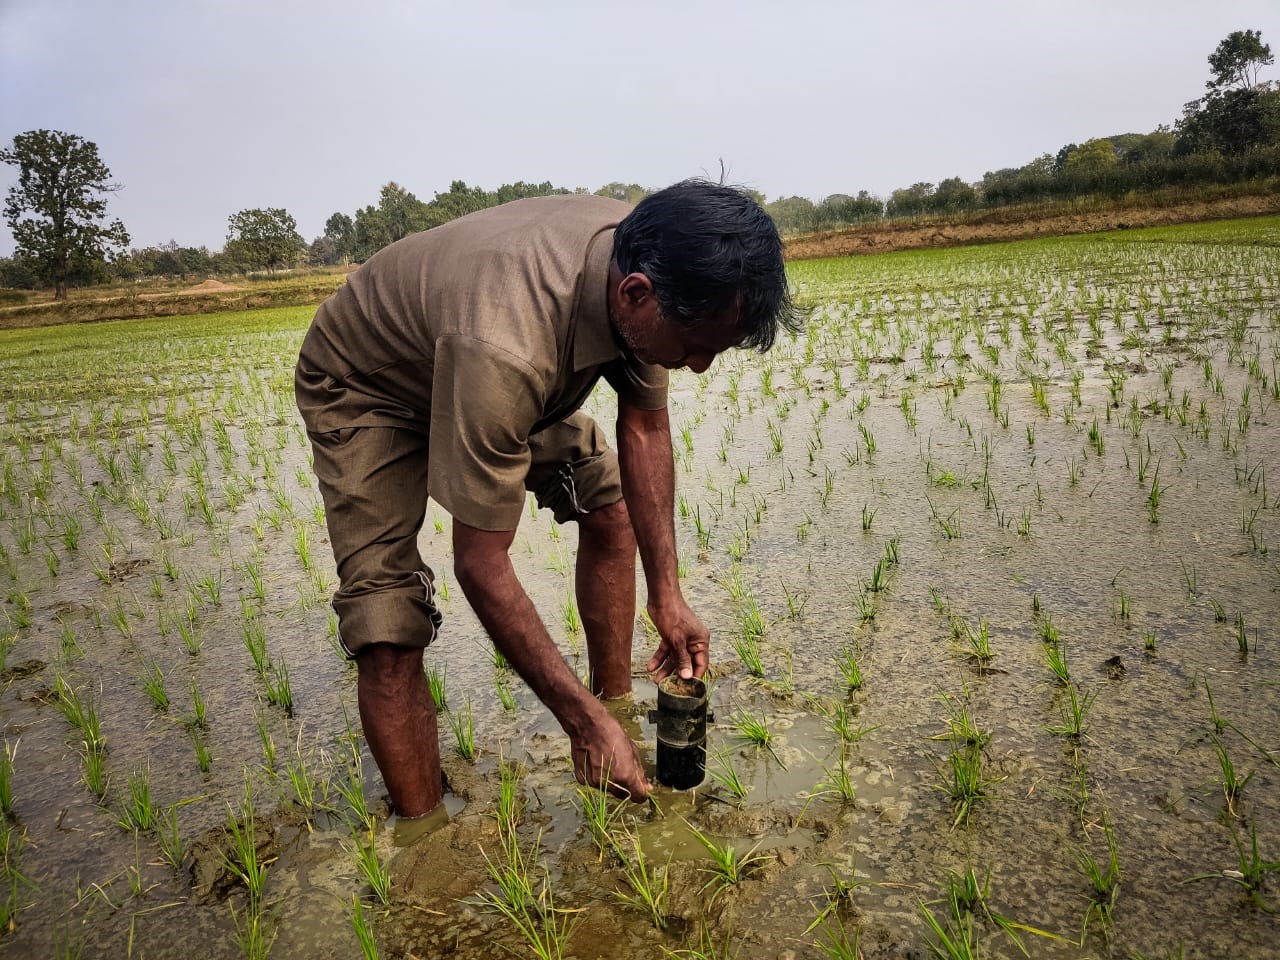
{"x": 642, "y": 385}
{"x": 484, "y": 400}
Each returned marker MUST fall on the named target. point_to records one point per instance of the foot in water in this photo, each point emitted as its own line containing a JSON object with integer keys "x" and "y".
{"x": 406, "y": 831}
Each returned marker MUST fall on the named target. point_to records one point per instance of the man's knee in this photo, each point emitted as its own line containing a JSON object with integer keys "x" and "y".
{"x": 610, "y": 525}
{"x": 388, "y": 665}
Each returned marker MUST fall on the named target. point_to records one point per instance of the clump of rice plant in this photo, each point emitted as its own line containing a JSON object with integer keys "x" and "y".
{"x": 1232, "y": 783}
{"x": 726, "y": 775}
{"x": 242, "y": 858}
{"x": 528, "y": 904}
{"x": 601, "y": 813}
{"x": 364, "y": 930}
{"x": 1251, "y": 869}
{"x": 728, "y": 867}
{"x": 462, "y": 723}
{"x": 647, "y": 883}
{"x": 1074, "y": 713}
{"x": 847, "y": 663}
{"x": 365, "y": 853}
{"x": 139, "y": 812}
{"x": 1103, "y": 877}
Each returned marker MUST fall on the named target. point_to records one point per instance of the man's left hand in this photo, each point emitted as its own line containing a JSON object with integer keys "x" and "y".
{"x": 685, "y": 642}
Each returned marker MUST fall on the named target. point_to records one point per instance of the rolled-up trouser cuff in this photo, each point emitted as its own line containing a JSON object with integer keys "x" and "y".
{"x": 577, "y": 489}
{"x": 402, "y": 612}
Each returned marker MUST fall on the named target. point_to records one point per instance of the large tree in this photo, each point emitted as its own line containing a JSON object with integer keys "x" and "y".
{"x": 56, "y": 210}
{"x": 1238, "y": 113}
{"x": 263, "y": 238}
{"x": 1238, "y": 58}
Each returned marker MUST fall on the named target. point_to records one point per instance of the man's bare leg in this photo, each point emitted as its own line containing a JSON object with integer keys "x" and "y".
{"x": 606, "y": 589}
{"x": 399, "y": 720}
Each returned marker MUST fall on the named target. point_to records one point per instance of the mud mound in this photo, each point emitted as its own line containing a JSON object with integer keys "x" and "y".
{"x": 208, "y": 286}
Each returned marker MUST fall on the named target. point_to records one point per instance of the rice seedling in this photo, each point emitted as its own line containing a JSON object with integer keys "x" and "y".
{"x": 510, "y": 798}
{"x": 847, "y": 664}
{"x": 1189, "y": 578}
{"x": 753, "y": 729}
{"x": 572, "y": 621}
{"x": 12, "y": 881}
{"x": 1074, "y": 713}
{"x": 502, "y": 684}
{"x": 1056, "y": 656}
{"x": 6, "y": 777}
{"x": 255, "y": 641}
{"x": 601, "y": 814}
{"x": 169, "y": 836}
{"x": 975, "y": 643}
{"x": 464, "y": 734}
{"x": 962, "y": 780}
{"x": 530, "y": 907}
{"x": 94, "y": 767}
{"x": 255, "y": 930}
{"x": 210, "y": 586}
{"x": 138, "y": 811}
{"x": 726, "y": 775}
{"x": 204, "y": 759}
{"x": 279, "y": 690}
{"x": 962, "y": 727}
{"x": 1104, "y": 878}
{"x": 1242, "y": 636}
{"x": 364, "y": 931}
{"x": 834, "y": 941}
{"x": 265, "y": 739}
{"x": 747, "y": 646}
{"x": 879, "y": 578}
{"x": 950, "y": 525}
{"x": 728, "y": 867}
{"x": 954, "y": 936}
{"x": 647, "y": 883}
{"x": 864, "y": 604}
{"x": 153, "y": 683}
{"x": 374, "y": 871}
{"x": 796, "y": 602}
{"x": 837, "y": 784}
{"x": 242, "y": 858}
{"x": 1250, "y": 872}
{"x": 1232, "y": 784}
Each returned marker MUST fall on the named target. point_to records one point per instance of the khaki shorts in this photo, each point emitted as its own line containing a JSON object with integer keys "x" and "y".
{"x": 374, "y": 484}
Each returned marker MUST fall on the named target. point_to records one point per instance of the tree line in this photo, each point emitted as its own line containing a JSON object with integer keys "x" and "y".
{"x": 57, "y": 210}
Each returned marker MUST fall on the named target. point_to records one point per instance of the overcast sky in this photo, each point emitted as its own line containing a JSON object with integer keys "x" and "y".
{"x": 204, "y": 107}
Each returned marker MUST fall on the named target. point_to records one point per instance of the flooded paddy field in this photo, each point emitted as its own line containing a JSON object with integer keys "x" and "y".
{"x": 989, "y": 558}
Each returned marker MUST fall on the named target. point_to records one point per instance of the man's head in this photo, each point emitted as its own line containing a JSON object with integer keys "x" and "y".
{"x": 697, "y": 268}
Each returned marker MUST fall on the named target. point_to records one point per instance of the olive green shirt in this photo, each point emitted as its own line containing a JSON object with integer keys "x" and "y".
{"x": 481, "y": 332}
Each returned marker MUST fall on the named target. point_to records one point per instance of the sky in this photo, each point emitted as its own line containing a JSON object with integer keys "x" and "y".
{"x": 202, "y": 108}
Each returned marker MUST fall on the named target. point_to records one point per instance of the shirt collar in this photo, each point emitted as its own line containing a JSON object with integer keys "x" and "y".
{"x": 594, "y": 343}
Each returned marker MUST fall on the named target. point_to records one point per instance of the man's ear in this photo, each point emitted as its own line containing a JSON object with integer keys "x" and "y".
{"x": 636, "y": 288}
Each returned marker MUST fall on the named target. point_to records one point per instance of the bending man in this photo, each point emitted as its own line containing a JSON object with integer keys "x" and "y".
{"x": 452, "y": 365}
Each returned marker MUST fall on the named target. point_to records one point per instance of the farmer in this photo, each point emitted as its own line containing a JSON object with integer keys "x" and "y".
{"x": 452, "y": 365}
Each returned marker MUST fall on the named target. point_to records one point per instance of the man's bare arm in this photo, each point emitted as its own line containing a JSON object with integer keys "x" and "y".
{"x": 484, "y": 571}
{"x": 648, "y": 485}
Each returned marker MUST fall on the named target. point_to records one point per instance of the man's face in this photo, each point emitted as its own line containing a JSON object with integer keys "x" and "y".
{"x": 656, "y": 340}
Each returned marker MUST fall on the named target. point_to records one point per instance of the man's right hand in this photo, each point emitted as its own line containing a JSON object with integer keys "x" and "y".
{"x": 603, "y": 755}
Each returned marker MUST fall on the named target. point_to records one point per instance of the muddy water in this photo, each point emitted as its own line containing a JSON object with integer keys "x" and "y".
{"x": 999, "y": 510}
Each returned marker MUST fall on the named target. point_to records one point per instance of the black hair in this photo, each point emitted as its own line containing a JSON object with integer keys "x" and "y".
{"x": 706, "y": 247}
